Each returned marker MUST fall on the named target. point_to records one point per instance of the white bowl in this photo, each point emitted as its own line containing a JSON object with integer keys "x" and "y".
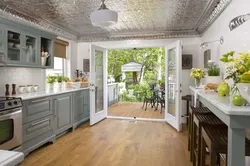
{"x": 10, "y": 44}
{"x": 244, "y": 89}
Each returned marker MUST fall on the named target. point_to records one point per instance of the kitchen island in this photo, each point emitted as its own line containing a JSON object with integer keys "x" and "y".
{"x": 236, "y": 118}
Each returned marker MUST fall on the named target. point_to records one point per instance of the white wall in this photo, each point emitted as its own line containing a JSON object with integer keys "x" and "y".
{"x": 238, "y": 39}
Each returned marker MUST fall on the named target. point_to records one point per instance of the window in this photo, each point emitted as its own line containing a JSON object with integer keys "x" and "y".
{"x": 62, "y": 65}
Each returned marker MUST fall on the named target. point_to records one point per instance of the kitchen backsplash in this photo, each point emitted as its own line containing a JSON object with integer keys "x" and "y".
{"x": 21, "y": 76}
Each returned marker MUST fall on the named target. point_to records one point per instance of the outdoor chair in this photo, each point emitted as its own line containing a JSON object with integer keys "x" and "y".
{"x": 148, "y": 100}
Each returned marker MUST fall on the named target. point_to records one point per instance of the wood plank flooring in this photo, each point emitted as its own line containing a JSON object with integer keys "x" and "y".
{"x": 133, "y": 109}
{"x": 115, "y": 143}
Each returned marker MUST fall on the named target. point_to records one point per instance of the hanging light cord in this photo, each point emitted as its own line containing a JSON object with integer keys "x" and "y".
{"x": 103, "y": 6}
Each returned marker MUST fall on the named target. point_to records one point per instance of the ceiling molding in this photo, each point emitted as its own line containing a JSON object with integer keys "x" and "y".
{"x": 223, "y": 4}
{"x": 38, "y": 25}
{"x": 166, "y": 35}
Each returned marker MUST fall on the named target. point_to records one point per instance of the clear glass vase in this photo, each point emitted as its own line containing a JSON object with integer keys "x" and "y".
{"x": 197, "y": 82}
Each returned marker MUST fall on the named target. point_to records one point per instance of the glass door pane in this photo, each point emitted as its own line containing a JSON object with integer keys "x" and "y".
{"x": 14, "y": 46}
{"x": 98, "y": 84}
{"x": 172, "y": 81}
{"x": 99, "y": 81}
{"x": 173, "y": 86}
{"x": 31, "y": 49}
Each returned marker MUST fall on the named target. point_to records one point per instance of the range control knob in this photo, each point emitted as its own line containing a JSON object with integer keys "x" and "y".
{"x": 15, "y": 102}
{"x": 9, "y": 104}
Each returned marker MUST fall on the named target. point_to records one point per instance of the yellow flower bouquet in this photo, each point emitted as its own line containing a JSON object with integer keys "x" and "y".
{"x": 197, "y": 74}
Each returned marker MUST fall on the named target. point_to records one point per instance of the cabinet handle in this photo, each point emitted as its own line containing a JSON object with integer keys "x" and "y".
{"x": 55, "y": 101}
{"x": 36, "y": 123}
{"x": 38, "y": 101}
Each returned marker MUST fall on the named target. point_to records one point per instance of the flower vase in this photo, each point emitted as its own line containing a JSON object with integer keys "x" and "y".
{"x": 197, "y": 82}
{"x": 43, "y": 61}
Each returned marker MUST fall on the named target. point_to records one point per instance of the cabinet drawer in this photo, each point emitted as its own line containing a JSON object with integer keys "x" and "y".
{"x": 38, "y": 127}
{"x": 36, "y": 109}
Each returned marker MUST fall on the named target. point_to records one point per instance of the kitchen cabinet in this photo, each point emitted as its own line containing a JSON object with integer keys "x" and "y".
{"x": 87, "y": 104}
{"x": 63, "y": 110}
{"x": 21, "y": 45}
{"x": 38, "y": 123}
{"x": 22, "y": 48}
{"x": 47, "y": 117}
{"x": 3, "y": 45}
{"x": 81, "y": 107}
{"x": 37, "y": 108}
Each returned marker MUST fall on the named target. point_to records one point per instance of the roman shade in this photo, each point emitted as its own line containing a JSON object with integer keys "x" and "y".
{"x": 60, "y": 48}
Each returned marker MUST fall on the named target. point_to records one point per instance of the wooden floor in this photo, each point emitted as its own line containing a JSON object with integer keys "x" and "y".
{"x": 130, "y": 109}
{"x": 115, "y": 143}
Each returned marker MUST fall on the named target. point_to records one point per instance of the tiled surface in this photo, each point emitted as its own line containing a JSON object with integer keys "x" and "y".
{"x": 137, "y": 18}
{"x": 21, "y": 76}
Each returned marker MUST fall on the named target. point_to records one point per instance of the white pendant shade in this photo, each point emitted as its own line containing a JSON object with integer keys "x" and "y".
{"x": 104, "y": 18}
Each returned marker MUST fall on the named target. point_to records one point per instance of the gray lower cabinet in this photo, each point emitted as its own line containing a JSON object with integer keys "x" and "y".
{"x": 86, "y": 104}
{"x": 38, "y": 123}
{"x": 37, "y": 108}
{"x": 81, "y": 107}
{"x": 63, "y": 109}
{"x": 48, "y": 117}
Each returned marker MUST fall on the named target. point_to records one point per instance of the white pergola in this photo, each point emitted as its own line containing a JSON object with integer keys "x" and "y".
{"x": 130, "y": 67}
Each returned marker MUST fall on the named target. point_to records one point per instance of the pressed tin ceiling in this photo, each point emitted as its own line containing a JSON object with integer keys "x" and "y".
{"x": 137, "y": 19}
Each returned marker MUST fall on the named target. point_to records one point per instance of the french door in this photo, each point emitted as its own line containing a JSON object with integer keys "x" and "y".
{"x": 98, "y": 84}
{"x": 173, "y": 53}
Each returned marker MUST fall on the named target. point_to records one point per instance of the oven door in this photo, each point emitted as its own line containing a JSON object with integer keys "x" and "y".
{"x": 11, "y": 130}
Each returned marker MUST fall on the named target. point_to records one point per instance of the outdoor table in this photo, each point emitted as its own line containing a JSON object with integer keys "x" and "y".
{"x": 236, "y": 118}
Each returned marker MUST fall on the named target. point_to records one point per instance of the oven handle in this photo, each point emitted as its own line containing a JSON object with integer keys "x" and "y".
{"x": 12, "y": 114}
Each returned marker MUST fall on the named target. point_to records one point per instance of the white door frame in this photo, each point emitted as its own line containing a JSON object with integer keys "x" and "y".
{"x": 172, "y": 121}
{"x": 96, "y": 117}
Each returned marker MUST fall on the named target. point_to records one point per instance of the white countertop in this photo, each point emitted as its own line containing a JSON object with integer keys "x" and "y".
{"x": 10, "y": 158}
{"x": 34, "y": 95}
{"x": 222, "y": 103}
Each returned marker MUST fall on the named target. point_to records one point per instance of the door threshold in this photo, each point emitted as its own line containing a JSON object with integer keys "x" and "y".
{"x": 134, "y": 118}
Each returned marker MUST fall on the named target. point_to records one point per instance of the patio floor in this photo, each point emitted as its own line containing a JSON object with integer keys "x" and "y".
{"x": 133, "y": 109}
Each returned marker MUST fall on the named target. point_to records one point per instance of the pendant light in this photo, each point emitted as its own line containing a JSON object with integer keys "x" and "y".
{"x": 103, "y": 17}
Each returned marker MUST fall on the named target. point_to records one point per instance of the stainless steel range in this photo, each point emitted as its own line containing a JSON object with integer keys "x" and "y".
{"x": 10, "y": 123}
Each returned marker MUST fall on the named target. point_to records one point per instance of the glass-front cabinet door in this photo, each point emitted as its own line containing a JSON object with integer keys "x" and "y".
{"x": 31, "y": 50}
{"x": 14, "y": 46}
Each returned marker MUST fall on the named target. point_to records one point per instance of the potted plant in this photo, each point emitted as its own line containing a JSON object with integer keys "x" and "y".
{"x": 60, "y": 80}
{"x": 161, "y": 83}
{"x": 237, "y": 69}
{"x": 51, "y": 80}
{"x": 213, "y": 73}
{"x": 197, "y": 74}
